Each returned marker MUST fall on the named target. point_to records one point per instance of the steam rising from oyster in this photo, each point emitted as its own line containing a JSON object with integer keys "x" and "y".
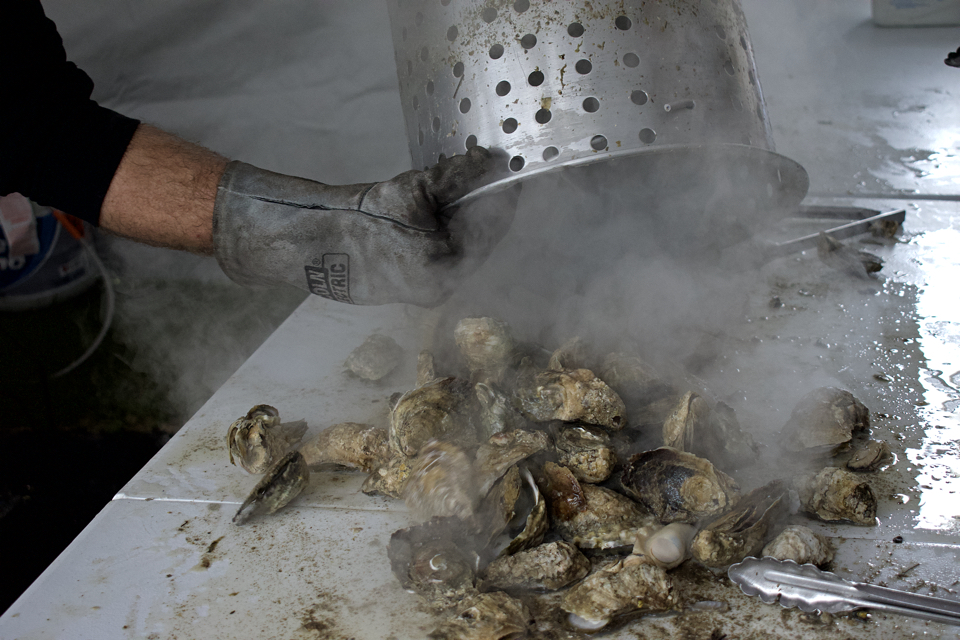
{"x": 486, "y": 345}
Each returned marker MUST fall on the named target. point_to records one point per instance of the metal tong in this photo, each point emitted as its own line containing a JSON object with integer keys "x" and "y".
{"x": 810, "y": 589}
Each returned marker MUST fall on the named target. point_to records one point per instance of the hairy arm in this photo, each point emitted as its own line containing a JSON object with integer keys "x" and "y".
{"x": 163, "y": 192}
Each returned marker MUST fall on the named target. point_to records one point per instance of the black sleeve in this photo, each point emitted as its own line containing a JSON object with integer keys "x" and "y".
{"x": 57, "y": 146}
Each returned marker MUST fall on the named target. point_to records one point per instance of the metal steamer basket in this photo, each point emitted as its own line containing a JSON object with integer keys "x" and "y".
{"x": 656, "y": 100}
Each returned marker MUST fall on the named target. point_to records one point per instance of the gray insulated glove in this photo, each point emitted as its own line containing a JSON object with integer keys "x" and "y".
{"x": 361, "y": 244}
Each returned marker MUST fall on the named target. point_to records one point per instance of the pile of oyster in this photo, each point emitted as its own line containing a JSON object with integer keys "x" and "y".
{"x": 586, "y": 481}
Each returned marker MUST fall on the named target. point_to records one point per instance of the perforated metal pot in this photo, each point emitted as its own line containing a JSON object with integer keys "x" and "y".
{"x": 561, "y": 84}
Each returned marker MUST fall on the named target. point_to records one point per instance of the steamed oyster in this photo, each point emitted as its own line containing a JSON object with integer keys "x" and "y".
{"x": 549, "y": 567}
{"x": 615, "y": 589}
{"x": 496, "y": 413}
{"x": 487, "y": 616}
{"x": 570, "y": 355}
{"x": 436, "y": 560}
{"x": 740, "y": 532}
{"x": 390, "y": 478}
{"x": 282, "y": 483}
{"x": 441, "y": 409}
{"x": 869, "y": 456}
{"x": 441, "y": 482}
{"x": 731, "y": 446}
{"x": 571, "y": 396}
{"x": 800, "y": 544}
{"x": 586, "y": 451}
{"x": 376, "y": 358}
{"x": 348, "y": 444}
{"x": 504, "y": 450}
{"x": 592, "y": 517}
{"x": 678, "y": 486}
{"x": 513, "y": 516}
{"x": 837, "y": 495}
{"x": 689, "y": 421}
{"x": 257, "y": 440}
{"x": 824, "y": 421}
{"x": 486, "y": 345}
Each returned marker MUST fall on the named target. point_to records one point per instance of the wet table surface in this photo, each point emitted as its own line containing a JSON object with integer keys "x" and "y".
{"x": 873, "y": 115}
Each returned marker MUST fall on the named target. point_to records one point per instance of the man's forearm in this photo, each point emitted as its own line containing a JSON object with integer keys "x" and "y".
{"x": 163, "y": 192}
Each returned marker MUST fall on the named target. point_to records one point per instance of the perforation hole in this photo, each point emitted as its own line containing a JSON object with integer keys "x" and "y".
{"x": 452, "y": 33}
{"x": 416, "y": 103}
{"x": 471, "y": 142}
{"x": 550, "y": 153}
{"x": 420, "y": 137}
{"x": 509, "y": 125}
{"x": 516, "y": 163}
{"x": 591, "y": 105}
{"x": 647, "y": 136}
{"x": 424, "y": 54}
{"x": 528, "y": 41}
{"x": 489, "y": 15}
{"x": 639, "y": 97}
{"x": 458, "y": 70}
{"x": 436, "y": 124}
{"x": 575, "y": 30}
{"x": 521, "y": 5}
{"x": 535, "y": 79}
{"x": 543, "y": 116}
{"x": 465, "y": 105}
{"x": 496, "y": 51}
{"x": 623, "y": 23}
{"x": 503, "y": 88}
{"x": 430, "y": 87}
{"x": 631, "y": 60}
{"x": 583, "y": 67}
{"x": 598, "y": 143}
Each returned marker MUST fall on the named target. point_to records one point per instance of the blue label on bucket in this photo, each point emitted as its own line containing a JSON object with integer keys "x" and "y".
{"x": 13, "y": 270}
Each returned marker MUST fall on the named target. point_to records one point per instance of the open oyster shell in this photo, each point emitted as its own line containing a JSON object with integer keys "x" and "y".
{"x": 258, "y": 440}
{"x": 504, "y": 450}
{"x": 546, "y": 567}
{"x": 678, "y": 486}
{"x": 802, "y": 545}
{"x": 740, "y": 532}
{"x": 619, "y": 588}
{"x": 496, "y": 413}
{"x": 435, "y": 559}
{"x": 487, "y": 616}
{"x": 574, "y": 395}
{"x": 824, "y": 421}
{"x": 513, "y": 516}
{"x": 837, "y": 495}
{"x": 592, "y": 517}
{"x": 390, "y": 478}
{"x": 279, "y": 485}
{"x": 869, "y": 456}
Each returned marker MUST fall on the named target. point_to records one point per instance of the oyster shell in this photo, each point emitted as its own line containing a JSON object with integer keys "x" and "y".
{"x": 256, "y": 441}
{"x": 571, "y": 396}
{"x": 487, "y": 616}
{"x": 730, "y": 444}
{"x": 504, "y": 450}
{"x": 824, "y": 421}
{"x": 513, "y": 516}
{"x": 800, "y": 544}
{"x": 376, "y": 358}
{"x": 572, "y": 354}
{"x": 668, "y": 547}
{"x": 837, "y": 495}
{"x": 615, "y": 589}
{"x": 678, "y": 486}
{"x": 487, "y": 346}
{"x": 592, "y": 517}
{"x": 348, "y": 444}
{"x": 435, "y": 559}
{"x": 586, "y": 451}
{"x": 689, "y": 420}
{"x": 282, "y": 483}
{"x": 549, "y": 567}
{"x": 441, "y": 482}
{"x": 441, "y": 409}
{"x": 648, "y": 397}
{"x": 390, "y": 478}
{"x": 740, "y": 532}
{"x": 870, "y": 456}
{"x": 496, "y": 413}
